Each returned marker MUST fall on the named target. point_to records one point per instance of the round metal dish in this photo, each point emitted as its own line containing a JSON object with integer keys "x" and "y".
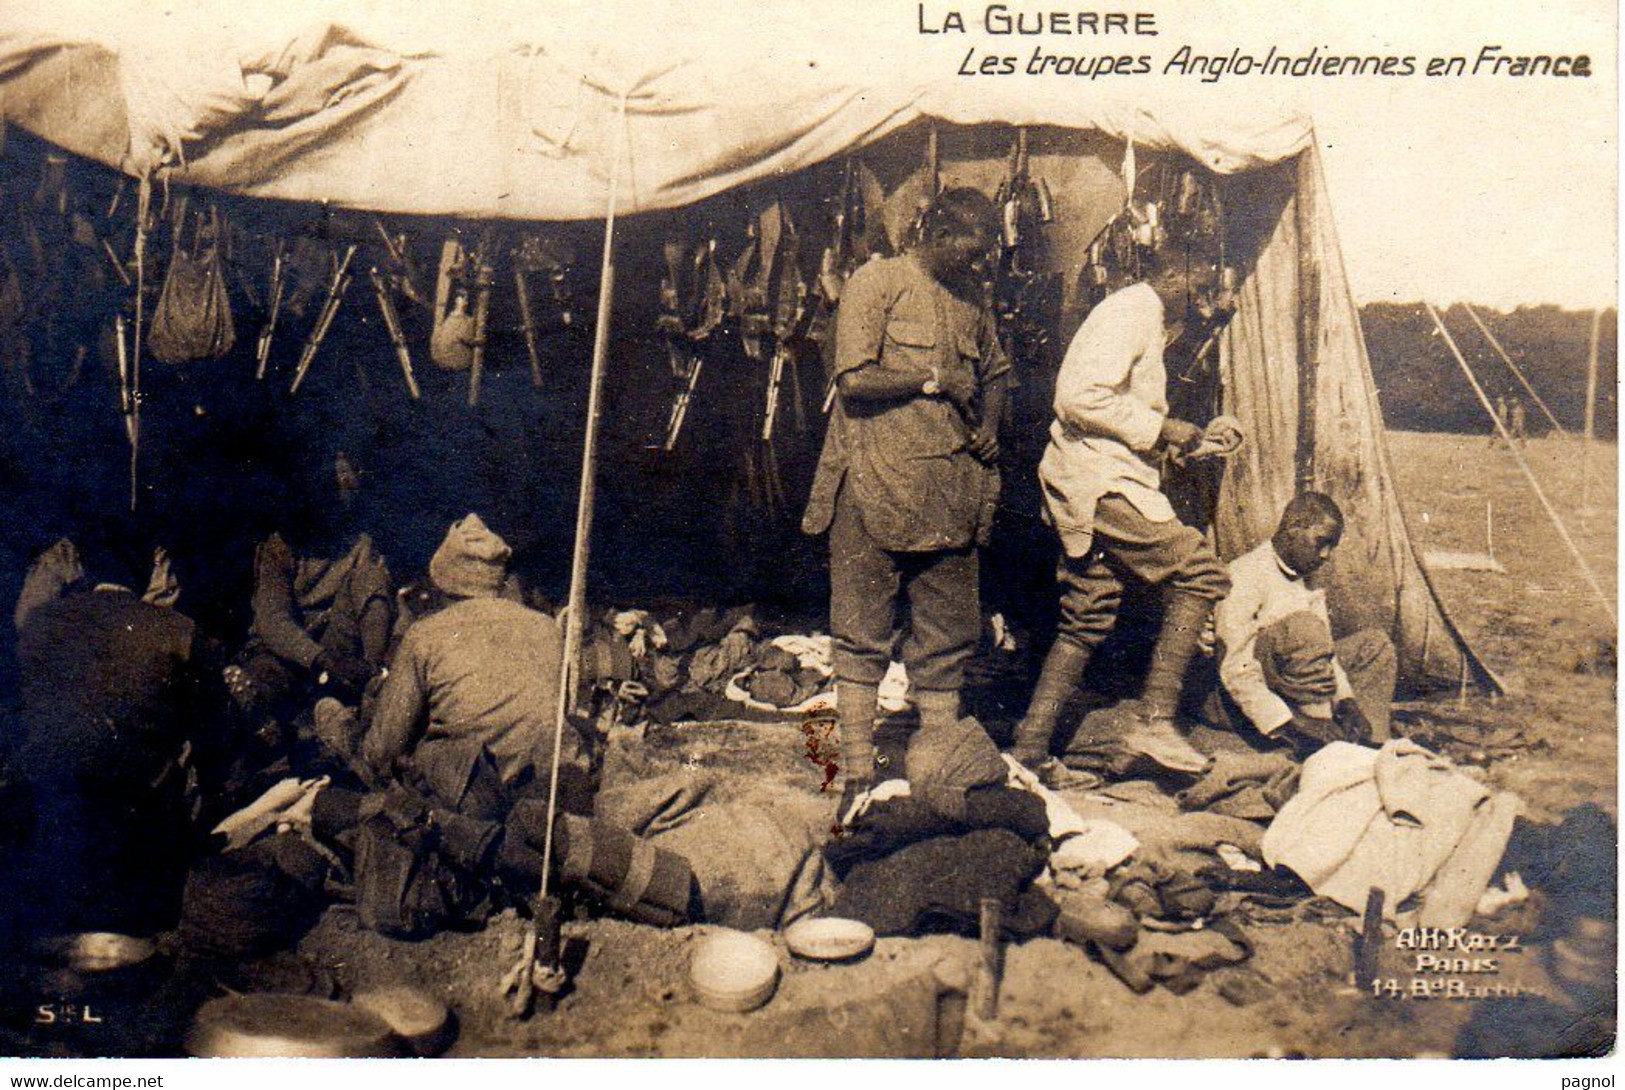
{"x": 732, "y": 971}
{"x": 417, "y": 1018}
{"x": 829, "y": 939}
{"x": 246, "y": 1026}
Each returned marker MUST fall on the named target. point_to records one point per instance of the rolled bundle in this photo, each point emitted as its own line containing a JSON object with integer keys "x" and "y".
{"x": 627, "y": 875}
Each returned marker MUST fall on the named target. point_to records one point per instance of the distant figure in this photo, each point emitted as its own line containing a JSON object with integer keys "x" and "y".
{"x": 1500, "y": 421}
{"x": 1519, "y": 423}
{"x": 323, "y": 605}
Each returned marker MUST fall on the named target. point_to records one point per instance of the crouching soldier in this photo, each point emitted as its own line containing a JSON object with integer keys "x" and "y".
{"x": 1280, "y": 668}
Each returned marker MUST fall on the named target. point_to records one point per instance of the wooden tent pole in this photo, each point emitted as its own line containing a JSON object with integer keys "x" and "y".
{"x": 1517, "y": 454}
{"x": 1591, "y": 410}
{"x": 1516, "y": 370}
{"x": 1308, "y": 319}
{"x": 574, "y": 623}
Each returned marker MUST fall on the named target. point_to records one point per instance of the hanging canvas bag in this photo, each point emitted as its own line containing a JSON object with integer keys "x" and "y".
{"x": 193, "y": 317}
{"x": 451, "y": 345}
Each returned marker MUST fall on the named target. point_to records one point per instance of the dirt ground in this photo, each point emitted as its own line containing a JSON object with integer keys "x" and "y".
{"x": 1536, "y": 627}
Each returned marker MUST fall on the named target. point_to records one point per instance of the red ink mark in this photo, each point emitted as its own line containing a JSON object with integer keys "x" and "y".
{"x": 821, "y": 748}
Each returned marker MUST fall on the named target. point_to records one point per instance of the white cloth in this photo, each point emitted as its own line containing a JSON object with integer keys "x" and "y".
{"x": 1084, "y": 847}
{"x": 814, "y": 652}
{"x": 1399, "y": 819}
{"x": 893, "y": 689}
{"x": 1111, "y": 398}
{"x": 1264, "y": 590}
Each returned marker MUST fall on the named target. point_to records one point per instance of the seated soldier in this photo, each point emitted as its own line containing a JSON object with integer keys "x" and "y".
{"x": 322, "y": 608}
{"x": 1280, "y": 668}
{"x": 461, "y": 740}
{"x": 472, "y": 693}
{"x": 112, "y": 720}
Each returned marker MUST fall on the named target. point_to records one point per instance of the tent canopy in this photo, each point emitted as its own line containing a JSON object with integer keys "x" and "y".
{"x": 499, "y": 110}
{"x": 493, "y": 110}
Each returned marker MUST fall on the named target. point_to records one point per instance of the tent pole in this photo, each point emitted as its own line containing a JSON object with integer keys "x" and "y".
{"x": 1591, "y": 411}
{"x": 1308, "y": 319}
{"x": 1516, "y": 370}
{"x": 1540, "y": 493}
{"x": 575, "y": 612}
{"x": 133, "y": 422}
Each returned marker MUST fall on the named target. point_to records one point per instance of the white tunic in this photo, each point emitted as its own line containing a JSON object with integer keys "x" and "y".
{"x": 1111, "y": 398}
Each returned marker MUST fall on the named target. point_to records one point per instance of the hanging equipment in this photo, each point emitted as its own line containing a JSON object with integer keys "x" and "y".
{"x": 335, "y": 296}
{"x": 279, "y": 277}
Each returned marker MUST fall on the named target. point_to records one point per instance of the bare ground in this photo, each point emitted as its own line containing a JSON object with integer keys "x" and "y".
{"x": 1536, "y": 625}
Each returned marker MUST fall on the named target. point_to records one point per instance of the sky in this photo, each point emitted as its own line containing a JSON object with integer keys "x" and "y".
{"x": 1497, "y": 191}
{"x": 1494, "y": 190}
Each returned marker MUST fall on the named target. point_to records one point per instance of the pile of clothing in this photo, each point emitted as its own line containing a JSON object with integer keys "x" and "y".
{"x": 710, "y": 664}
{"x": 1401, "y": 820}
{"x": 921, "y": 854}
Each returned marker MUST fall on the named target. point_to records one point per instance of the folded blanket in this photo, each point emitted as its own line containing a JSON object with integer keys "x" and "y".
{"x": 757, "y": 859}
{"x": 939, "y": 884}
{"x": 1244, "y": 785}
{"x": 894, "y": 823}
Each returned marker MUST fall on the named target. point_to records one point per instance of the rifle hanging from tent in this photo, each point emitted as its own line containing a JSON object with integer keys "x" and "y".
{"x": 791, "y": 312}
{"x": 772, "y": 305}
{"x": 694, "y": 303}
{"x": 1023, "y": 293}
{"x": 324, "y": 321}
{"x": 392, "y": 324}
{"x": 933, "y": 184}
{"x": 126, "y": 401}
{"x": 858, "y": 234}
{"x": 273, "y": 310}
{"x": 402, "y": 270}
{"x": 477, "y": 277}
{"x": 527, "y": 325}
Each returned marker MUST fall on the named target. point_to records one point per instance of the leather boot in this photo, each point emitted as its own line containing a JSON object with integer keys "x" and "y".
{"x": 1058, "y": 684}
{"x": 938, "y": 708}
{"x": 856, "y": 703}
{"x": 1182, "y": 622}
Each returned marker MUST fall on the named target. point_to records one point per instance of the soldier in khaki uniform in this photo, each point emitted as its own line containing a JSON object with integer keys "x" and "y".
{"x": 908, "y": 482}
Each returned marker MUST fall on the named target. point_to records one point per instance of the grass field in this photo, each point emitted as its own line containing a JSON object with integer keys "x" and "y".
{"x": 1539, "y": 626}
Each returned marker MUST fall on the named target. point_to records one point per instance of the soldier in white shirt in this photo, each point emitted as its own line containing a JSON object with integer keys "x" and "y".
{"x": 1102, "y": 483}
{"x": 1280, "y": 668}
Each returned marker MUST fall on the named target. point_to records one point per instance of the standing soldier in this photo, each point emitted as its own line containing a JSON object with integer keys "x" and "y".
{"x": 1502, "y": 419}
{"x": 1103, "y": 492}
{"x": 908, "y": 482}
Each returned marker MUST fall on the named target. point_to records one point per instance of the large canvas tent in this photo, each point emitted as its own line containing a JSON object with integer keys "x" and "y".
{"x": 497, "y": 111}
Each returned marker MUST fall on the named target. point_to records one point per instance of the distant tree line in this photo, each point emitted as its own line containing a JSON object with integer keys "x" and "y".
{"x": 1422, "y": 388}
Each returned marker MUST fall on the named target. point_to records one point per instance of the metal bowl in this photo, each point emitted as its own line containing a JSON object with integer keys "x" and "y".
{"x": 732, "y": 971}
{"x": 250, "y": 1026}
{"x": 830, "y": 939}
{"x": 417, "y": 1018}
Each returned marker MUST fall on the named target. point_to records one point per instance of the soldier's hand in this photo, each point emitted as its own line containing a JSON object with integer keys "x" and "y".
{"x": 984, "y": 444}
{"x": 1347, "y": 714}
{"x": 1308, "y": 733}
{"x": 1181, "y": 435}
{"x": 958, "y": 387}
